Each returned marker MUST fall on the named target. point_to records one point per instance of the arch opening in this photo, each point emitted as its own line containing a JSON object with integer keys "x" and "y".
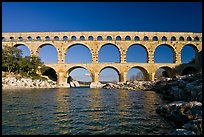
{"x": 50, "y": 73}
{"x": 164, "y": 53}
{"x": 164, "y": 38}
{"x": 127, "y": 38}
{"x": 188, "y": 53}
{"x": 80, "y": 74}
{"x": 118, "y": 38}
{"x": 137, "y": 53}
{"x": 25, "y": 50}
{"x": 82, "y": 38}
{"x": 109, "y": 53}
{"x": 181, "y": 39}
{"x": 52, "y": 57}
{"x": 136, "y": 38}
{"x": 163, "y": 72}
{"x": 109, "y": 38}
{"x": 47, "y": 38}
{"x": 65, "y": 38}
{"x": 78, "y": 53}
{"x": 90, "y": 38}
{"x": 99, "y": 38}
{"x": 145, "y": 38}
{"x": 109, "y": 74}
{"x": 155, "y": 38}
{"x": 137, "y": 73}
{"x": 73, "y": 38}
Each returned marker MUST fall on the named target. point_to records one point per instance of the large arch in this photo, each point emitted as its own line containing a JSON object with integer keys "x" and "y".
{"x": 104, "y": 55}
{"x": 85, "y": 76}
{"x": 140, "y": 49}
{"x": 164, "y": 71}
{"x": 50, "y": 73}
{"x": 113, "y": 68}
{"x": 25, "y": 49}
{"x": 143, "y": 71}
{"x": 85, "y": 55}
{"x": 188, "y": 52}
{"x": 165, "y": 55}
{"x": 50, "y": 58}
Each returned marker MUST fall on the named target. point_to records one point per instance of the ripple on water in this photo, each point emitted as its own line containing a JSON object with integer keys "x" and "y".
{"x": 81, "y": 111}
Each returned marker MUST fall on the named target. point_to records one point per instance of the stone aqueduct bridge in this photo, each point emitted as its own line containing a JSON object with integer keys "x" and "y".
{"x": 62, "y": 41}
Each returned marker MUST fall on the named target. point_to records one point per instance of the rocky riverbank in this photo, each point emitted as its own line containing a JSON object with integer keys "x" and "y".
{"x": 12, "y": 82}
{"x": 185, "y": 95}
{"x": 130, "y": 85}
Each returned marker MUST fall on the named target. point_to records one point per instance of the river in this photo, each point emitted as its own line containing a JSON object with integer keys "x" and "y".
{"x": 79, "y": 111}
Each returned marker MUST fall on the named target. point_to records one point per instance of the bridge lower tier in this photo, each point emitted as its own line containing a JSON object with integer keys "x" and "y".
{"x": 148, "y": 69}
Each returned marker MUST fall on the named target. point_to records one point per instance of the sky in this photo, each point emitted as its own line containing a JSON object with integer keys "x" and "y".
{"x": 103, "y": 16}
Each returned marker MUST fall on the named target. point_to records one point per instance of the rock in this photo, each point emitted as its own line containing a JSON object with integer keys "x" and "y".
{"x": 96, "y": 85}
{"x": 194, "y": 125}
{"x": 181, "y": 112}
{"x": 182, "y": 132}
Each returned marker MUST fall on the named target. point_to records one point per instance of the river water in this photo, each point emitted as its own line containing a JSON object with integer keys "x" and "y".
{"x": 82, "y": 111}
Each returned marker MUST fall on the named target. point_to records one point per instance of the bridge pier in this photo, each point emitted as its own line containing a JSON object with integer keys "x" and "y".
{"x": 122, "y": 76}
{"x": 95, "y": 77}
{"x": 151, "y": 76}
{"x": 62, "y": 78}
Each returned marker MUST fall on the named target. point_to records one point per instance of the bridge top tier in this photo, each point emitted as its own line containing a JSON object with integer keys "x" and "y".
{"x": 27, "y": 36}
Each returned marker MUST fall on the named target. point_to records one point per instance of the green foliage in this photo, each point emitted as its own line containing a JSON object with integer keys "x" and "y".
{"x": 12, "y": 61}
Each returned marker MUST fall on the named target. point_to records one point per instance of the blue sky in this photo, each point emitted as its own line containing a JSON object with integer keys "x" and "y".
{"x": 103, "y": 16}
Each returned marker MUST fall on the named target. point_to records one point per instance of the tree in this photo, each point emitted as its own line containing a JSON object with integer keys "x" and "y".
{"x": 10, "y": 58}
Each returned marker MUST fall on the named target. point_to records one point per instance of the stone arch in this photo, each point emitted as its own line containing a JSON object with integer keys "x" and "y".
{"x": 22, "y": 44}
{"x": 50, "y": 73}
{"x": 173, "y": 38}
{"x": 73, "y": 38}
{"x": 171, "y": 48}
{"x": 47, "y": 38}
{"x": 78, "y": 44}
{"x": 127, "y": 38}
{"x": 109, "y": 38}
{"x": 189, "y": 38}
{"x": 3, "y": 39}
{"x": 164, "y": 38}
{"x": 112, "y": 67}
{"x": 38, "y": 38}
{"x": 29, "y": 38}
{"x": 47, "y": 44}
{"x": 82, "y": 38}
{"x": 181, "y": 38}
{"x": 90, "y": 38}
{"x": 116, "y": 46}
{"x": 196, "y": 38}
{"x": 76, "y": 67}
{"x": 20, "y": 38}
{"x": 168, "y": 71}
{"x": 118, "y": 38}
{"x": 146, "y": 38}
{"x": 155, "y": 38}
{"x": 192, "y": 46}
{"x": 12, "y": 38}
{"x": 136, "y": 44}
{"x": 65, "y": 38}
{"x": 137, "y": 38}
{"x": 99, "y": 38}
{"x": 56, "y": 38}
{"x": 142, "y": 69}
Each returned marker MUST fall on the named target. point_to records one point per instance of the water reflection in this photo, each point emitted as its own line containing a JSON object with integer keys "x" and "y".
{"x": 80, "y": 111}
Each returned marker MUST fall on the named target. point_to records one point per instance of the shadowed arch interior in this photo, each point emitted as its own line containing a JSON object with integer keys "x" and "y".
{"x": 82, "y": 51}
{"x": 164, "y": 71}
{"x": 50, "y": 73}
